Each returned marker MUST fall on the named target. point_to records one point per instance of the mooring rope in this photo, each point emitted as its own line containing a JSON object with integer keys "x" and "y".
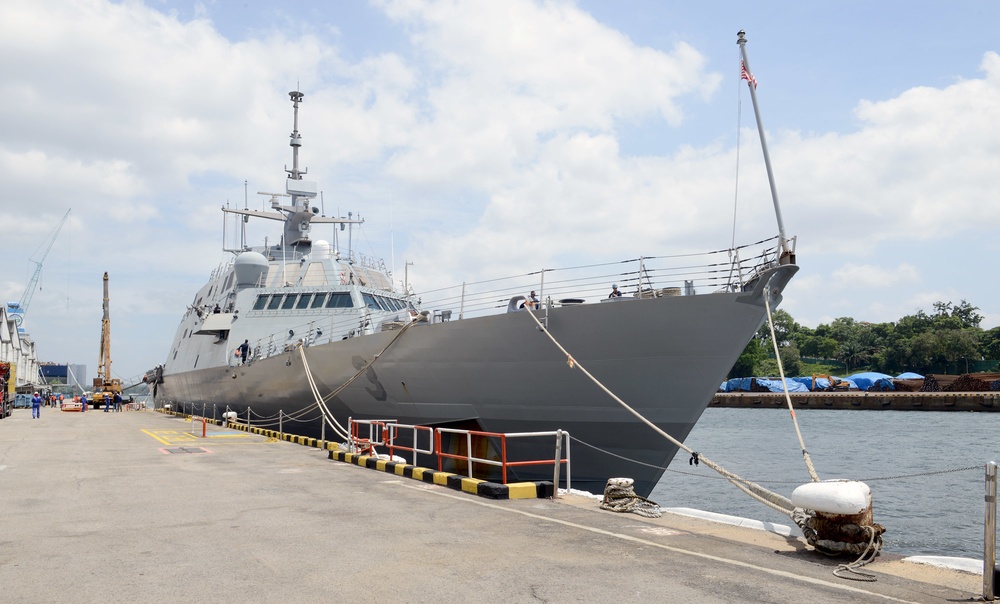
{"x": 773, "y": 500}
{"x": 327, "y": 416}
{"x": 321, "y": 400}
{"x": 620, "y": 496}
{"x": 788, "y": 398}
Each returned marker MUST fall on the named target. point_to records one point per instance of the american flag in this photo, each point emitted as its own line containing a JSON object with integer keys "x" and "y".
{"x": 746, "y": 75}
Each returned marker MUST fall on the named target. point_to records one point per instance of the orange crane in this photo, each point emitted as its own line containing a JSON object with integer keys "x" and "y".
{"x": 105, "y": 387}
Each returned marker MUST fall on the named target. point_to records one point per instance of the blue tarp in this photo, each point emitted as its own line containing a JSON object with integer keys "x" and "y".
{"x": 736, "y": 385}
{"x": 772, "y": 384}
{"x": 805, "y": 381}
{"x": 775, "y": 385}
{"x": 866, "y": 379}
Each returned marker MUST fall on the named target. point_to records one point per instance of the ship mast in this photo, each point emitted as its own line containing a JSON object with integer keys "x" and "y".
{"x": 299, "y": 216}
{"x": 786, "y": 255}
{"x": 296, "y": 138}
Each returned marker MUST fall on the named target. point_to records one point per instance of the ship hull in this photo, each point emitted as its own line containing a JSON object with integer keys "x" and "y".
{"x": 665, "y": 357}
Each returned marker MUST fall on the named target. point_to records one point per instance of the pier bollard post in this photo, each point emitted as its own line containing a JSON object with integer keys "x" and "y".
{"x": 322, "y": 433}
{"x": 555, "y": 471}
{"x": 281, "y": 427}
{"x": 990, "y": 532}
{"x": 248, "y": 418}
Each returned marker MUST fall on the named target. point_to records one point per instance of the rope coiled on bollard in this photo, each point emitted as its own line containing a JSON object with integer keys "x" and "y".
{"x": 619, "y": 496}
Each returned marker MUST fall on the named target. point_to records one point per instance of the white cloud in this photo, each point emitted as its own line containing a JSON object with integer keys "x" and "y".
{"x": 496, "y": 129}
{"x": 867, "y": 276}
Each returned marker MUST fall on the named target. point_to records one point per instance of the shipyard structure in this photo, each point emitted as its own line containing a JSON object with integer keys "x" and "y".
{"x": 17, "y": 350}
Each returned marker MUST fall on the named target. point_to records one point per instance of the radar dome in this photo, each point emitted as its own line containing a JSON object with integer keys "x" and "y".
{"x": 321, "y": 250}
{"x": 251, "y": 269}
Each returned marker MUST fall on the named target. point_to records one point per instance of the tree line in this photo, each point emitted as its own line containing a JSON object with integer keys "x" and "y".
{"x": 949, "y": 340}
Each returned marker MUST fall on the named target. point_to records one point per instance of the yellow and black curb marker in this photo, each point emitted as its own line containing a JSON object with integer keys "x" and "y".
{"x": 483, "y": 488}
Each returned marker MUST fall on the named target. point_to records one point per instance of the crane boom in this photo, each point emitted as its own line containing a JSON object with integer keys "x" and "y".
{"x": 29, "y": 291}
{"x": 104, "y": 385}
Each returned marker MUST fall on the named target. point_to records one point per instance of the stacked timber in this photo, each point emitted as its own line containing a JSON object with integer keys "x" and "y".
{"x": 931, "y": 384}
{"x": 967, "y": 382}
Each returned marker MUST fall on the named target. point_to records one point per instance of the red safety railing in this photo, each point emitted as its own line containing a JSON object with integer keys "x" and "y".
{"x": 392, "y": 433}
{"x": 376, "y": 434}
{"x": 556, "y": 461}
{"x": 386, "y": 433}
{"x": 203, "y": 427}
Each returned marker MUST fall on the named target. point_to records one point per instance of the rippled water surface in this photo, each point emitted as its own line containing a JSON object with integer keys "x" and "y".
{"x": 936, "y": 514}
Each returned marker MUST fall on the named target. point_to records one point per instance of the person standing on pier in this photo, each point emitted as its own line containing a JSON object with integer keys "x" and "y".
{"x": 118, "y": 402}
{"x": 36, "y": 406}
{"x": 83, "y": 402}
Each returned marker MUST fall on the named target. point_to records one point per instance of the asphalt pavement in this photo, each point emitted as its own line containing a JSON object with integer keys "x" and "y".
{"x": 132, "y": 507}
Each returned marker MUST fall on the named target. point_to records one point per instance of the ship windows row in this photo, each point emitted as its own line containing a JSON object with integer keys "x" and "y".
{"x": 383, "y": 303}
{"x": 303, "y": 301}
{"x": 311, "y": 300}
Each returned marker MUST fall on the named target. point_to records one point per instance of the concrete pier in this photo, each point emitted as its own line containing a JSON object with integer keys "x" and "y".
{"x": 131, "y": 507}
{"x": 883, "y": 401}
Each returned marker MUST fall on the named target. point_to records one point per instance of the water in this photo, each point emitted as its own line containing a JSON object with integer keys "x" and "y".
{"x": 939, "y": 514}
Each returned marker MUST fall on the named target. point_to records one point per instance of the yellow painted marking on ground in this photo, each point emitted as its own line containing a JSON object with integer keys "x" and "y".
{"x": 153, "y": 434}
{"x": 177, "y": 437}
{"x": 418, "y": 473}
{"x": 399, "y": 469}
{"x": 380, "y": 465}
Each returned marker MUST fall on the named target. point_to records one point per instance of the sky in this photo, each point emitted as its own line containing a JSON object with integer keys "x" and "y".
{"x": 495, "y": 138}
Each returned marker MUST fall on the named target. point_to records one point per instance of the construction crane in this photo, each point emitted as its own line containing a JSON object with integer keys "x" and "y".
{"x": 17, "y": 312}
{"x": 104, "y": 386}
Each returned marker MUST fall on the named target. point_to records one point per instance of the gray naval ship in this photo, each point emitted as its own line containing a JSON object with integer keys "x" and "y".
{"x": 471, "y": 357}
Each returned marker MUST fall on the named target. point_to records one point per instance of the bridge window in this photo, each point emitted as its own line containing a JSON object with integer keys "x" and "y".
{"x": 289, "y": 302}
{"x": 340, "y": 300}
{"x": 318, "y": 301}
{"x": 261, "y": 302}
{"x": 370, "y": 301}
{"x": 304, "y": 301}
{"x": 275, "y": 302}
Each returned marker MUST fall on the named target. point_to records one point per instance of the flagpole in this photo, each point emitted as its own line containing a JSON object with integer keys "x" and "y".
{"x": 782, "y": 240}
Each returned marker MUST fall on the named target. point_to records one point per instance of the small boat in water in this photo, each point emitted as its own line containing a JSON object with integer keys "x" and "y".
{"x": 472, "y": 356}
